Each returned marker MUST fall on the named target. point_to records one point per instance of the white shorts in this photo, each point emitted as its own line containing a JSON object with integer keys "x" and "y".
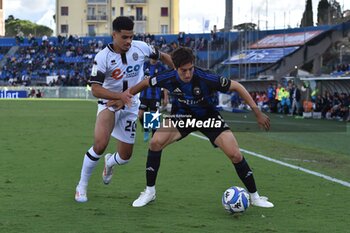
{"x": 125, "y": 123}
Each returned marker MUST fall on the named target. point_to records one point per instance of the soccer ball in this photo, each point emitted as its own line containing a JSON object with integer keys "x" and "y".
{"x": 235, "y": 199}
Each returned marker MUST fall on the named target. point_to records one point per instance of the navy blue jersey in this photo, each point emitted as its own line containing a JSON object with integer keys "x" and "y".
{"x": 152, "y": 93}
{"x": 195, "y": 97}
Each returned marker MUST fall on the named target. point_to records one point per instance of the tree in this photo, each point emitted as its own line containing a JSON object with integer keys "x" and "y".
{"x": 10, "y": 18}
{"x": 245, "y": 27}
{"x": 307, "y": 19}
{"x": 329, "y": 12}
{"x": 14, "y": 26}
{"x": 335, "y": 11}
{"x": 323, "y": 12}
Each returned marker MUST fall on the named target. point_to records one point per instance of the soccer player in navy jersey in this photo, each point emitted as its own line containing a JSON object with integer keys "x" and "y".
{"x": 118, "y": 66}
{"x": 151, "y": 97}
{"x": 191, "y": 89}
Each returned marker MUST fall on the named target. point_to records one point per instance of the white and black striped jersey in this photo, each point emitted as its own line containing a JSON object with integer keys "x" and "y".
{"x": 117, "y": 72}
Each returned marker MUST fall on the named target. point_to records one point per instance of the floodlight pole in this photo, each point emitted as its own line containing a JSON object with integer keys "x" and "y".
{"x": 341, "y": 54}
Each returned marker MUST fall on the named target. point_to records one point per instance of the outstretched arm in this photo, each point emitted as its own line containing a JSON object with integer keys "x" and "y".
{"x": 100, "y": 92}
{"x": 140, "y": 86}
{"x": 118, "y": 104}
{"x": 262, "y": 119}
{"x": 166, "y": 59}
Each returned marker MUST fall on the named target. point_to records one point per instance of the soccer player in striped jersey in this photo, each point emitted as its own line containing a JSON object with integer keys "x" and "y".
{"x": 118, "y": 66}
{"x": 151, "y": 97}
{"x": 191, "y": 89}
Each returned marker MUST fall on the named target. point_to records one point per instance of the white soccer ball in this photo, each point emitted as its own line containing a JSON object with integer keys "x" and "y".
{"x": 235, "y": 199}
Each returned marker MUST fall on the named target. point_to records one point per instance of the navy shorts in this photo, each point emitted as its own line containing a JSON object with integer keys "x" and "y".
{"x": 151, "y": 105}
{"x": 213, "y": 122}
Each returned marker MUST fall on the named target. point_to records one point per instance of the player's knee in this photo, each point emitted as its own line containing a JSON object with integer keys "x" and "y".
{"x": 100, "y": 144}
{"x": 235, "y": 156}
{"x": 155, "y": 144}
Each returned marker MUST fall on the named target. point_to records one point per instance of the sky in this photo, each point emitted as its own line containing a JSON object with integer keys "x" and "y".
{"x": 194, "y": 14}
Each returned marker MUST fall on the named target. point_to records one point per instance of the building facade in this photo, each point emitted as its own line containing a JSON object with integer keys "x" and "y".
{"x": 95, "y": 17}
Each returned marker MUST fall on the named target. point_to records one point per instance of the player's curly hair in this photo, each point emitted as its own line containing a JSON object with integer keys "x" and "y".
{"x": 182, "y": 56}
{"x": 123, "y": 23}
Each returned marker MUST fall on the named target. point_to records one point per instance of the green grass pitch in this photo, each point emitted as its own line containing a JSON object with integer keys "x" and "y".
{"x": 42, "y": 144}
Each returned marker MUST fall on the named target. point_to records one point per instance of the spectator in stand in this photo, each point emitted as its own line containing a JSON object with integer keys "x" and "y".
{"x": 271, "y": 95}
{"x": 31, "y": 93}
{"x": 181, "y": 38}
{"x": 328, "y": 100}
{"x": 284, "y": 100}
{"x": 343, "y": 114}
{"x": 319, "y": 104}
{"x": 39, "y": 94}
{"x": 19, "y": 37}
{"x": 295, "y": 100}
{"x": 278, "y": 97}
{"x": 235, "y": 100}
{"x": 334, "y": 107}
{"x": 262, "y": 101}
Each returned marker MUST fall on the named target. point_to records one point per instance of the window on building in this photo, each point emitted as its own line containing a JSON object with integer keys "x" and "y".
{"x": 113, "y": 11}
{"x": 164, "y": 11}
{"x": 91, "y": 13}
{"x": 121, "y": 11}
{"x": 163, "y": 29}
{"x": 64, "y": 28}
{"x": 139, "y": 14}
{"x": 64, "y": 10}
{"x": 92, "y": 30}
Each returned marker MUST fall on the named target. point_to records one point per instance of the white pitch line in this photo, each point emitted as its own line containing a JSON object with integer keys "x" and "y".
{"x": 335, "y": 180}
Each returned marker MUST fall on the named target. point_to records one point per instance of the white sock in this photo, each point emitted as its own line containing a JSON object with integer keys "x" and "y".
{"x": 115, "y": 159}
{"x": 151, "y": 189}
{"x": 254, "y": 195}
{"x": 88, "y": 167}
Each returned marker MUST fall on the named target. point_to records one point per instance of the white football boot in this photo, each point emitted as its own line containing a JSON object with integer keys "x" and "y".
{"x": 80, "y": 194}
{"x": 260, "y": 201}
{"x": 144, "y": 198}
{"x": 107, "y": 171}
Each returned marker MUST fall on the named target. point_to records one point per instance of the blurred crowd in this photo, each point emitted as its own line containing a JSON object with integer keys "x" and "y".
{"x": 69, "y": 59}
{"x": 294, "y": 101}
{"x": 341, "y": 70}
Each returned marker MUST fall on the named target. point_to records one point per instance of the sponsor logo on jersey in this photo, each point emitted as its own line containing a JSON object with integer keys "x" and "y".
{"x": 190, "y": 102}
{"x": 135, "y": 56}
{"x": 196, "y": 91}
{"x": 224, "y": 81}
{"x": 177, "y": 90}
{"x": 130, "y": 71}
{"x": 94, "y": 69}
{"x": 153, "y": 81}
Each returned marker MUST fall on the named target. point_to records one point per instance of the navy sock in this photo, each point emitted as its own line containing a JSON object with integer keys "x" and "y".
{"x": 152, "y": 166}
{"x": 246, "y": 175}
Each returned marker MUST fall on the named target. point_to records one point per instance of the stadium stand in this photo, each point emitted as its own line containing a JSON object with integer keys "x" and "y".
{"x": 258, "y": 59}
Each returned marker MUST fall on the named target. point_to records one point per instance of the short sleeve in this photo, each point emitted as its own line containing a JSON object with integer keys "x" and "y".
{"x": 98, "y": 69}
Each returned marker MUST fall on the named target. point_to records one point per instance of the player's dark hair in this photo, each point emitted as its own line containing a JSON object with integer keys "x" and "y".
{"x": 182, "y": 56}
{"x": 123, "y": 23}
